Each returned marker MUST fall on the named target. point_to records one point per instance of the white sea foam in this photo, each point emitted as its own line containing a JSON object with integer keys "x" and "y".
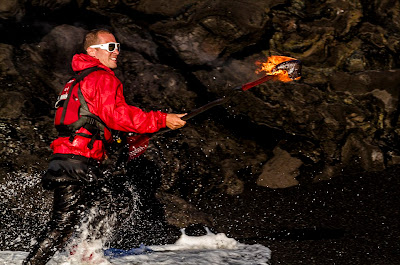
{"x": 197, "y": 250}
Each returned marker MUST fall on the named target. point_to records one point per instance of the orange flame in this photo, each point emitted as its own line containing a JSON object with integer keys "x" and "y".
{"x": 269, "y": 66}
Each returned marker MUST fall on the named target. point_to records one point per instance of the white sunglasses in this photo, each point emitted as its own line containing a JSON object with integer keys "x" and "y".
{"x": 110, "y": 46}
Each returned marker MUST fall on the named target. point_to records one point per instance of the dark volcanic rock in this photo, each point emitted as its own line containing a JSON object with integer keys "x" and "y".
{"x": 214, "y": 29}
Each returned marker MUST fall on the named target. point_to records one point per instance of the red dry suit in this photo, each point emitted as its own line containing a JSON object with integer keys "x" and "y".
{"x": 103, "y": 93}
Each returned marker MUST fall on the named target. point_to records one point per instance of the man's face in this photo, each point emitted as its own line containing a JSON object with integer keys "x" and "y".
{"x": 107, "y": 58}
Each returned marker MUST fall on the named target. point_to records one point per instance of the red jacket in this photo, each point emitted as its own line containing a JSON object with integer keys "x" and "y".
{"x": 103, "y": 93}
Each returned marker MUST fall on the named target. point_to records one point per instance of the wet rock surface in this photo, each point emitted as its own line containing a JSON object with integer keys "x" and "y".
{"x": 337, "y": 126}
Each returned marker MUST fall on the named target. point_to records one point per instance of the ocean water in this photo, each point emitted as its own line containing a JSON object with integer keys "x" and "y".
{"x": 16, "y": 222}
{"x": 351, "y": 219}
{"x": 208, "y": 249}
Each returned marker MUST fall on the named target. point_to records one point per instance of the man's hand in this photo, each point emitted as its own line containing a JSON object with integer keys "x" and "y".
{"x": 174, "y": 121}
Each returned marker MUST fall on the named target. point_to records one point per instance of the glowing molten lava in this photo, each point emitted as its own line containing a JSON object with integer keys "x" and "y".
{"x": 281, "y": 68}
{"x": 278, "y": 68}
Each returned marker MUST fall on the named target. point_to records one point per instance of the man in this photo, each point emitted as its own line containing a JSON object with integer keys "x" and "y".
{"x": 73, "y": 171}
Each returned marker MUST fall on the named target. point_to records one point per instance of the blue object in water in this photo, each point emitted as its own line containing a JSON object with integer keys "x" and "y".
{"x": 117, "y": 253}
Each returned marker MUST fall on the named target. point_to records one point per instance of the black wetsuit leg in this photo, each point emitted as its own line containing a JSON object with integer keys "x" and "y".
{"x": 68, "y": 200}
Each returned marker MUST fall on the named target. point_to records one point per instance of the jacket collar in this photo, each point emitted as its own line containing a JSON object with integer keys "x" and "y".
{"x": 83, "y": 61}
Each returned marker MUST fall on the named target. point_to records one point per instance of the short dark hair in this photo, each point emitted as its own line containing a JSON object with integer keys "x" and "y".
{"x": 91, "y": 37}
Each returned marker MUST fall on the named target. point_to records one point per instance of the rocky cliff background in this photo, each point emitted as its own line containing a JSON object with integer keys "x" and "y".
{"x": 339, "y": 121}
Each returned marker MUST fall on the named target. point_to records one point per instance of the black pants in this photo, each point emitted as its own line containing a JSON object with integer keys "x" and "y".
{"x": 73, "y": 195}
{"x": 65, "y": 216}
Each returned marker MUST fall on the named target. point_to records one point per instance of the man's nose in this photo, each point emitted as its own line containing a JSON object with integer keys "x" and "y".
{"x": 116, "y": 52}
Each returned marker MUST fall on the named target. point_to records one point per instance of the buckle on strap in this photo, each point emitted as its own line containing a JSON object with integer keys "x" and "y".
{"x": 92, "y": 137}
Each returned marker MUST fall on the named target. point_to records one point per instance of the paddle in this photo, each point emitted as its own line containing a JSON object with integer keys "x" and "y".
{"x": 280, "y": 68}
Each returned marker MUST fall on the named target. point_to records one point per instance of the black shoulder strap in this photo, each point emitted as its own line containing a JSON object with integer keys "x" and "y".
{"x": 78, "y": 78}
{"x": 86, "y": 72}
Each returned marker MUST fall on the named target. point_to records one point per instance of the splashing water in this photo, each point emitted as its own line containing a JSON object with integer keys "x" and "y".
{"x": 23, "y": 207}
{"x": 197, "y": 250}
{"x": 83, "y": 249}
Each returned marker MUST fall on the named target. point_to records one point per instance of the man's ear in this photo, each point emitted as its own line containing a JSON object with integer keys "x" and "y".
{"x": 91, "y": 51}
